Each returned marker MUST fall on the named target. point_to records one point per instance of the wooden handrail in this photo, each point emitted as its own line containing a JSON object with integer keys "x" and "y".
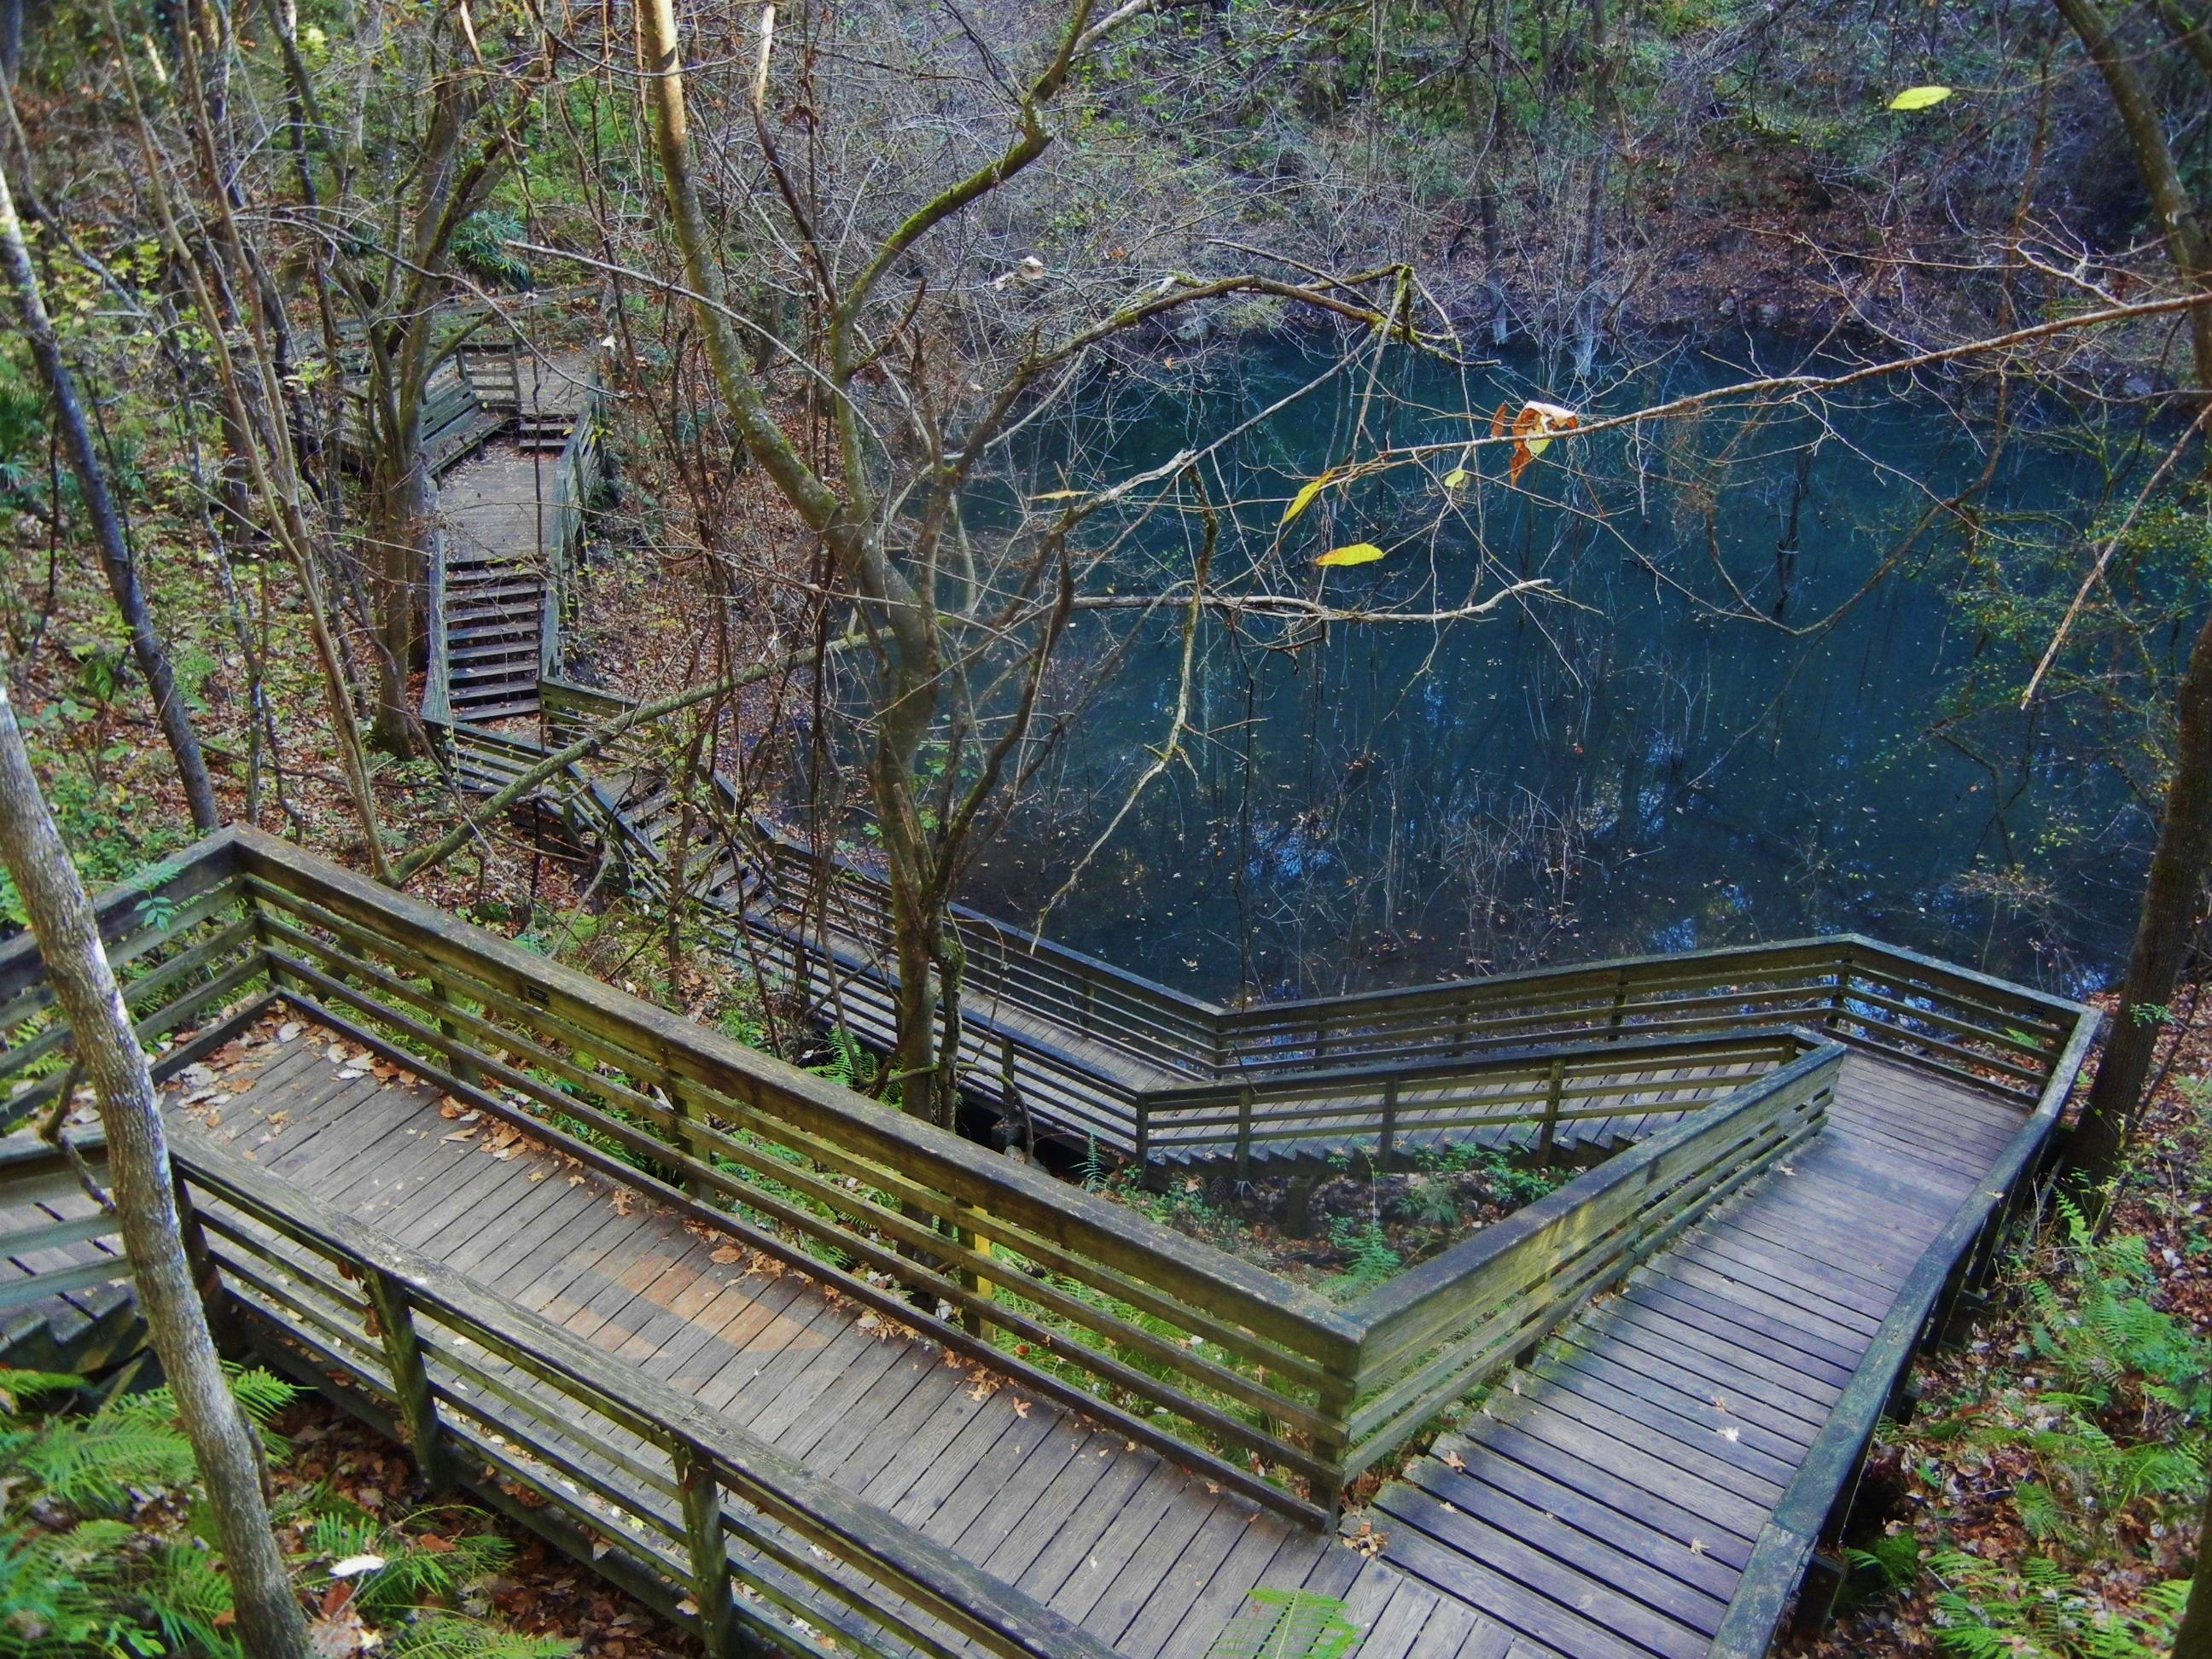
{"x": 1443, "y": 1327}
{"x": 1955, "y": 1022}
{"x": 407, "y": 1288}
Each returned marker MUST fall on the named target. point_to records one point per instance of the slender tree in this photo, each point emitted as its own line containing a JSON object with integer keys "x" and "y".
{"x": 2194, "y": 1639}
{"x": 269, "y": 1617}
{"x": 116, "y": 560}
{"x": 2174, "y": 893}
{"x": 960, "y": 627}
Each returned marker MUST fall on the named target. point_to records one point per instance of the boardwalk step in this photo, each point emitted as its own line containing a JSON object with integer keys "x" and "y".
{"x": 500, "y": 711}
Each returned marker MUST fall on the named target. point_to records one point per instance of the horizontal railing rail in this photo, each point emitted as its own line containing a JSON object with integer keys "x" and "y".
{"x": 716, "y": 1527}
{"x": 1381, "y": 1109}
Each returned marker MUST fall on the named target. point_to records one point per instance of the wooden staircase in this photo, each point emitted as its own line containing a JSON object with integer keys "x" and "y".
{"x": 494, "y": 608}
{"x": 544, "y": 433}
{"x": 715, "y": 867}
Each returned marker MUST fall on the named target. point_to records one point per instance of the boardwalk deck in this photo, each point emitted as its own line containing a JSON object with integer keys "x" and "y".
{"x": 1603, "y": 1504}
{"x": 65, "y": 1300}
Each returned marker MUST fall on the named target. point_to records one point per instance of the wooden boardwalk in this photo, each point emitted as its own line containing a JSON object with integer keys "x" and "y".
{"x": 65, "y": 1299}
{"x": 1603, "y": 1502}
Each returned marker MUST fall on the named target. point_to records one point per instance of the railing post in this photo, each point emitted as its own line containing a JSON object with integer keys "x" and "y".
{"x": 206, "y": 1279}
{"x": 465, "y": 1070}
{"x": 411, "y": 1375}
{"x": 1244, "y": 1132}
{"x": 1386, "y": 1139}
{"x": 701, "y": 1492}
{"x": 1620, "y": 1005}
{"x": 1333, "y": 1401}
{"x": 1015, "y": 1107}
{"x": 970, "y": 1281}
{"x": 1839, "y": 998}
{"x": 679, "y": 1103}
{"x": 1554, "y": 1086}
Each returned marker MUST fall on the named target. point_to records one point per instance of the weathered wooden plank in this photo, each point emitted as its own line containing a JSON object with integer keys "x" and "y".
{"x": 1537, "y": 1447}
{"x": 1681, "y": 1392}
{"x": 1692, "y": 1448}
{"x": 1531, "y": 1504}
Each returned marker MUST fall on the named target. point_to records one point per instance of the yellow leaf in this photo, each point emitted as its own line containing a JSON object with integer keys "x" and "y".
{"x": 1356, "y": 553}
{"x": 1455, "y": 477}
{"x": 1304, "y": 498}
{"x": 1919, "y": 97}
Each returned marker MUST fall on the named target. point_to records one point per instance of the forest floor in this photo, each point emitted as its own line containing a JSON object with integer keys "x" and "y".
{"x": 536, "y": 1591}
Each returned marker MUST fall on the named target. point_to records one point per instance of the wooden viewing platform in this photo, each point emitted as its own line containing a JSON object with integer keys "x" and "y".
{"x": 781, "y": 1361}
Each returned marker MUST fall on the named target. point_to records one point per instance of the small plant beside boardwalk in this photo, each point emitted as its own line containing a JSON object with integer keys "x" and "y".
{"x": 2043, "y": 1500}
{"x": 1354, "y": 1226}
{"x": 105, "y": 1546}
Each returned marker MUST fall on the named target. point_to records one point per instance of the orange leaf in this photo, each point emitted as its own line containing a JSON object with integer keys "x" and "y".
{"x": 1532, "y": 432}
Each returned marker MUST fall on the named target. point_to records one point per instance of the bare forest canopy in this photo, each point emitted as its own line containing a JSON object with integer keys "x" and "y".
{"x": 1241, "y": 391}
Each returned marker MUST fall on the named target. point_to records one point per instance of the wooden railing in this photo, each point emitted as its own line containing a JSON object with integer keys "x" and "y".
{"x": 1094, "y": 1051}
{"x": 1935, "y": 1016}
{"x": 454, "y": 420}
{"x": 1449, "y": 1323}
{"x": 1191, "y": 1349}
{"x": 1379, "y": 1109}
{"x": 1261, "y": 1384}
{"x": 560, "y": 527}
{"x": 706, "y": 1521}
{"x": 181, "y": 941}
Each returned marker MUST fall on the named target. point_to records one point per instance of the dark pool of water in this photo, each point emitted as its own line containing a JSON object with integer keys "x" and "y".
{"x": 1643, "y": 762}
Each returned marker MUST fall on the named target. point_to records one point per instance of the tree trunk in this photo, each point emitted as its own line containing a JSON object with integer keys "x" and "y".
{"x": 11, "y": 39}
{"x": 2173, "y": 212}
{"x": 269, "y": 1618}
{"x": 399, "y": 530}
{"x": 115, "y": 556}
{"x": 2174, "y": 887}
{"x": 2173, "y": 898}
{"x": 2194, "y": 1639}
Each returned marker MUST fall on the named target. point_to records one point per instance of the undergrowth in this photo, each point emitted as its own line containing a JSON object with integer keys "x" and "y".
{"x": 107, "y": 1548}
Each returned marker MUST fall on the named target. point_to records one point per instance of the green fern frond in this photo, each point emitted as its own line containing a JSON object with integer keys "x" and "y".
{"x": 1282, "y": 1624}
{"x": 449, "y": 1637}
{"x": 185, "y": 1595}
{"x": 16, "y": 1387}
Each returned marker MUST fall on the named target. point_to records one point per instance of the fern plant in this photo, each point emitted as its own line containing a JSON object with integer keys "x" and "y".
{"x": 78, "y": 1579}
{"x": 1286, "y": 1624}
{"x": 1983, "y": 1612}
{"x": 2111, "y": 1332}
{"x": 1370, "y": 1260}
{"x": 413, "y": 1571}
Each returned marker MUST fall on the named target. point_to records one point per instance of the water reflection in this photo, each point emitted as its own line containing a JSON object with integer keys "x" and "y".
{"x": 1647, "y": 762}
